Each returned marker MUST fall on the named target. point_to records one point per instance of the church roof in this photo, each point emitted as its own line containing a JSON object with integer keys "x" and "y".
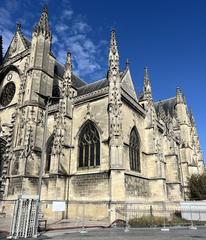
{"x": 127, "y": 83}
{"x": 27, "y": 42}
{"x": 59, "y": 71}
{"x": 97, "y": 85}
{"x": 168, "y": 105}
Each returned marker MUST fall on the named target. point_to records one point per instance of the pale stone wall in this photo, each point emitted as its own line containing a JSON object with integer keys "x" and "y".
{"x": 169, "y": 145}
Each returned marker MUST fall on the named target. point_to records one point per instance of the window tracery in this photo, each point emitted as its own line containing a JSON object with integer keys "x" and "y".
{"x": 89, "y": 146}
{"x": 7, "y": 94}
{"x": 134, "y": 150}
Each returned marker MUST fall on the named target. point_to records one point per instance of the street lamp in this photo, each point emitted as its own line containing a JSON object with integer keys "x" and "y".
{"x": 47, "y": 101}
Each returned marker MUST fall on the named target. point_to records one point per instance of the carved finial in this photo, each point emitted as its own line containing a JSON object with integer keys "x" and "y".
{"x": 45, "y": 8}
{"x": 147, "y": 84}
{"x": 68, "y": 65}
{"x": 179, "y": 96}
{"x": 69, "y": 60}
{"x": 146, "y": 75}
{"x": 67, "y": 78}
{"x": 127, "y": 63}
{"x": 18, "y": 26}
{"x": 113, "y": 52}
{"x": 1, "y": 50}
{"x": 42, "y": 27}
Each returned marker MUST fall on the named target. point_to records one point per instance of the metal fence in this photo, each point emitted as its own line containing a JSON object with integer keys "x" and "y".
{"x": 162, "y": 214}
{"x": 150, "y": 214}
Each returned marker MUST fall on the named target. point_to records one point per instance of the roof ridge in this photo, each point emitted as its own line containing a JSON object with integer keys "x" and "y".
{"x": 89, "y": 84}
{"x": 164, "y": 100}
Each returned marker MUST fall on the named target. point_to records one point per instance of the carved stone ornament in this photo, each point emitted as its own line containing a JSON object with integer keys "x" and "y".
{"x": 9, "y": 77}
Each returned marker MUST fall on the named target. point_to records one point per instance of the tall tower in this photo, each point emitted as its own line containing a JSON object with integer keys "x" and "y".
{"x": 41, "y": 66}
{"x": 29, "y": 117}
{"x": 185, "y": 128}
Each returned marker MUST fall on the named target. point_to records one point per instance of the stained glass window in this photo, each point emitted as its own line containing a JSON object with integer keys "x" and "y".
{"x": 89, "y": 146}
{"x": 7, "y": 94}
{"x": 134, "y": 150}
{"x": 49, "y": 153}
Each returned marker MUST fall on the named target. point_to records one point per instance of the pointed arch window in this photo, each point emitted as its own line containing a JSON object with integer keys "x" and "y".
{"x": 89, "y": 146}
{"x": 2, "y": 154}
{"x": 134, "y": 150}
{"x": 49, "y": 153}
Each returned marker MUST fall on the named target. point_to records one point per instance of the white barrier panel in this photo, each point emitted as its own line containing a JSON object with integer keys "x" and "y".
{"x": 193, "y": 210}
{"x": 58, "y": 206}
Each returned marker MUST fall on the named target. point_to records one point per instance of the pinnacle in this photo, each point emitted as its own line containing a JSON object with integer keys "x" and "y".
{"x": 146, "y": 74}
{"x": 127, "y": 63}
{"x": 113, "y": 51}
{"x": 45, "y": 9}
{"x": 68, "y": 65}
{"x": 18, "y": 26}
{"x": 42, "y": 27}
{"x": 179, "y": 96}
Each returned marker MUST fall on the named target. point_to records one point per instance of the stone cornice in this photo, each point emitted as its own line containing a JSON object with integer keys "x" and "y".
{"x": 135, "y": 174}
{"x": 10, "y": 61}
{"x": 91, "y": 96}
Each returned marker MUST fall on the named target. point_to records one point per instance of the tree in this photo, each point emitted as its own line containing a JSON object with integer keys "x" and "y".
{"x": 197, "y": 187}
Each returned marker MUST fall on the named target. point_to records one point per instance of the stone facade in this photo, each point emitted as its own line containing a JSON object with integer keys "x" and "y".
{"x": 105, "y": 145}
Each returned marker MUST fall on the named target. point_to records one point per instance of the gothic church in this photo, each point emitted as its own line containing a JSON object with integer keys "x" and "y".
{"x": 104, "y": 144}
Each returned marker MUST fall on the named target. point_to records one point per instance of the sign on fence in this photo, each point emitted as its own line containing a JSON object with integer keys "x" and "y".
{"x": 58, "y": 206}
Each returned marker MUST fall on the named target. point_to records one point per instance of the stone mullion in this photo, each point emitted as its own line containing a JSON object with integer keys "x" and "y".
{"x": 83, "y": 155}
{"x": 95, "y": 155}
{"x": 89, "y": 154}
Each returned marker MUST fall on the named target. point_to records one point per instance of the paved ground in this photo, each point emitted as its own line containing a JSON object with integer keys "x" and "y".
{"x": 133, "y": 234}
{"x": 137, "y": 234}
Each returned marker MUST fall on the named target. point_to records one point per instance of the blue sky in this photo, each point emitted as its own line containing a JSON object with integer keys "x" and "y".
{"x": 169, "y": 36}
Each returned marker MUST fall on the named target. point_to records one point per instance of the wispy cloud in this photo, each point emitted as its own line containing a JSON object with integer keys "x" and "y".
{"x": 5, "y": 26}
{"x": 70, "y": 31}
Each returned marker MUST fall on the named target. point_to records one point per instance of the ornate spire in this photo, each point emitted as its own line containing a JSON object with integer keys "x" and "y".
{"x": 42, "y": 27}
{"x": 1, "y": 50}
{"x": 113, "y": 52}
{"x": 179, "y": 96}
{"x": 115, "y": 102}
{"x": 147, "y": 84}
{"x": 67, "y": 78}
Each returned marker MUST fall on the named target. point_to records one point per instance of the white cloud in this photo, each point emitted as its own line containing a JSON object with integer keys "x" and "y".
{"x": 68, "y": 13}
{"x": 5, "y": 24}
{"x": 73, "y": 33}
{"x": 61, "y": 28}
{"x": 70, "y": 31}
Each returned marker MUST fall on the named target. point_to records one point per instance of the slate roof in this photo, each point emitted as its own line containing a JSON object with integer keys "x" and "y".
{"x": 93, "y": 86}
{"x": 59, "y": 71}
{"x": 27, "y": 42}
{"x": 168, "y": 105}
